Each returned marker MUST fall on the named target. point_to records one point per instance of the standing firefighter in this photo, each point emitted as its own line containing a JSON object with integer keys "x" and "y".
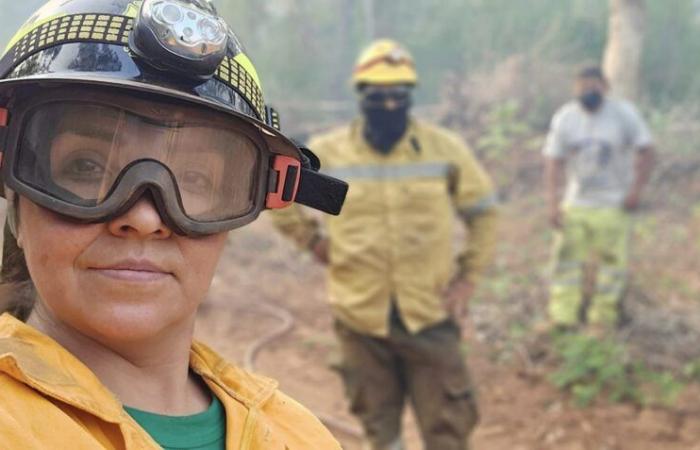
{"x": 395, "y": 292}
{"x": 601, "y": 146}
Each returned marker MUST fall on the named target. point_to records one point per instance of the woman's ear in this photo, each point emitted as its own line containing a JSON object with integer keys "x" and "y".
{"x": 18, "y": 237}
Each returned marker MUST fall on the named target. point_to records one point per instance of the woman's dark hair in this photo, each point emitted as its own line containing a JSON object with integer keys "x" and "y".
{"x": 17, "y": 292}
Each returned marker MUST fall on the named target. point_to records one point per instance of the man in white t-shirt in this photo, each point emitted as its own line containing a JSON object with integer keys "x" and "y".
{"x": 601, "y": 148}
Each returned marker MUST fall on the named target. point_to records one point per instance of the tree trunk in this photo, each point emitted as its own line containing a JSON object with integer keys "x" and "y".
{"x": 623, "y": 54}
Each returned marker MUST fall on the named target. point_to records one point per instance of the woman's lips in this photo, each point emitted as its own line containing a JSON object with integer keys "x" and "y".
{"x": 133, "y": 271}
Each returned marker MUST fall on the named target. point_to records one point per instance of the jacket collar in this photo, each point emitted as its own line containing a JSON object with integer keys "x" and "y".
{"x": 38, "y": 361}
{"x": 251, "y": 390}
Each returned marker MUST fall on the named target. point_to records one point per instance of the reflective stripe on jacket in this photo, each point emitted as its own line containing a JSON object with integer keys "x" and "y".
{"x": 50, "y": 400}
{"x": 394, "y": 237}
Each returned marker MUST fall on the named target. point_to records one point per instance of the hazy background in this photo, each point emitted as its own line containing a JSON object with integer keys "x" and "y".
{"x": 304, "y": 50}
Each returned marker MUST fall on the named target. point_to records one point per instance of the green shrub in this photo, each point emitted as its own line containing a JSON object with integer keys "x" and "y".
{"x": 692, "y": 371}
{"x": 592, "y": 368}
{"x": 503, "y": 128}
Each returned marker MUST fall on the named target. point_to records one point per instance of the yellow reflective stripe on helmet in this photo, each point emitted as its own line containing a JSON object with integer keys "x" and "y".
{"x": 66, "y": 28}
{"x": 235, "y": 75}
{"x": 389, "y": 172}
{"x": 28, "y": 28}
{"x": 247, "y": 64}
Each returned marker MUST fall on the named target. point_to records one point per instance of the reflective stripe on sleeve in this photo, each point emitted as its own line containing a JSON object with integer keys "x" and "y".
{"x": 485, "y": 204}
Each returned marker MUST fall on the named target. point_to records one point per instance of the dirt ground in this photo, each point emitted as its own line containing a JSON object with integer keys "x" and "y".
{"x": 520, "y": 408}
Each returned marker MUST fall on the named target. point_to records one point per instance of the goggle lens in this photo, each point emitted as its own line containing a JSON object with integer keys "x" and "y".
{"x": 77, "y": 152}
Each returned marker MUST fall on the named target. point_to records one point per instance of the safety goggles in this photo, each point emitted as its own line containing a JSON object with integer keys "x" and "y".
{"x": 385, "y": 97}
{"x": 90, "y": 154}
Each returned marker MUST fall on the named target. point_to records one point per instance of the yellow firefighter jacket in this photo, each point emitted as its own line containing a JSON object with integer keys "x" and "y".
{"x": 394, "y": 238}
{"x": 50, "y": 400}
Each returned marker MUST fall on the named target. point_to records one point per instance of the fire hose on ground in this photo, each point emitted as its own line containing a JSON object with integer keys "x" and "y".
{"x": 287, "y": 323}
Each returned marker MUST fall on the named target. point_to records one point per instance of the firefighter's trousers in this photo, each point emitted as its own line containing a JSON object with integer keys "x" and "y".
{"x": 591, "y": 237}
{"x": 428, "y": 368}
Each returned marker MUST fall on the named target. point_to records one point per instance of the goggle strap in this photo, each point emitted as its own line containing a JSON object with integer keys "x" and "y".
{"x": 321, "y": 192}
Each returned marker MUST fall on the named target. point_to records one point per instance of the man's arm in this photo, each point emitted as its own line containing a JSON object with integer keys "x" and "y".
{"x": 555, "y": 179}
{"x": 643, "y": 167}
{"x": 641, "y": 139}
{"x": 305, "y": 231}
{"x": 477, "y": 204}
{"x": 555, "y": 153}
{"x": 296, "y": 223}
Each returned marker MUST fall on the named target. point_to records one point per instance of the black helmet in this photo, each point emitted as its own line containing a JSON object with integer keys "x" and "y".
{"x": 175, "y": 49}
{"x": 117, "y": 42}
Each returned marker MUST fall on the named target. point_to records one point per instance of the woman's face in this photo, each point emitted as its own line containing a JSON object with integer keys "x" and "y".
{"x": 128, "y": 279}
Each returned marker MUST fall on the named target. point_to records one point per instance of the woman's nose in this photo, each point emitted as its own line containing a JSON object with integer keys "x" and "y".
{"x": 142, "y": 220}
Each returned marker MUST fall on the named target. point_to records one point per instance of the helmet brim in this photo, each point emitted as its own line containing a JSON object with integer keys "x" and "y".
{"x": 276, "y": 141}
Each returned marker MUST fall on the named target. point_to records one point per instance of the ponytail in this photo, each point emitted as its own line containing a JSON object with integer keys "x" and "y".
{"x": 17, "y": 292}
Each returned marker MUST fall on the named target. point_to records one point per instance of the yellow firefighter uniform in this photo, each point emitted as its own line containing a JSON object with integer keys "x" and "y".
{"x": 50, "y": 400}
{"x": 394, "y": 238}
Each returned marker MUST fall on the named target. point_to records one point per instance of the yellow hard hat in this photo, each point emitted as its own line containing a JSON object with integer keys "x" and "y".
{"x": 385, "y": 62}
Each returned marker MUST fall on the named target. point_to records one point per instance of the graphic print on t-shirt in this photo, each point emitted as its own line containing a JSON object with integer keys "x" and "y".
{"x": 593, "y": 159}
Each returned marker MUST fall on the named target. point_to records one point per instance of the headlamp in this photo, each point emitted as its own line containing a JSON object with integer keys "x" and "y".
{"x": 177, "y": 36}
{"x": 386, "y": 97}
{"x": 398, "y": 56}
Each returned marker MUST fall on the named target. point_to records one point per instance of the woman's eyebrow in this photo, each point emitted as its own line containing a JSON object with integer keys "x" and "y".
{"x": 89, "y": 130}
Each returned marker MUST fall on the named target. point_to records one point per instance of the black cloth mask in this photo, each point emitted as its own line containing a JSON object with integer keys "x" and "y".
{"x": 591, "y": 100}
{"x": 385, "y": 127}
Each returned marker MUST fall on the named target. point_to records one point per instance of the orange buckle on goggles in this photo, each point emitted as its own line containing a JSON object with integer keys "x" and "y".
{"x": 288, "y": 175}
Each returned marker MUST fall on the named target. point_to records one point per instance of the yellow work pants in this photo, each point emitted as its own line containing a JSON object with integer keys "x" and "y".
{"x": 598, "y": 236}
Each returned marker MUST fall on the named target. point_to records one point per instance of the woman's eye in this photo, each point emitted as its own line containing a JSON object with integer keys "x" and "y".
{"x": 83, "y": 168}
{"x": 196, "y": 182}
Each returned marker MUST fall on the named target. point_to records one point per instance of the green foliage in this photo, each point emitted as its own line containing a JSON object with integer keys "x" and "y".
{"x": 692, "y": 371}
{"x": 696, "y": 211}
{"x": 671, "y": 61}
{"x": 659, "y": 388}
{"x": 503, "y": 128}
{"x": 591, "y": 368}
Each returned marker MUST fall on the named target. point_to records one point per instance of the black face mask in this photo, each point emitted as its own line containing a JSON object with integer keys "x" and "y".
{"x": 591, "y": 100}
{"x": 385, "y": 127}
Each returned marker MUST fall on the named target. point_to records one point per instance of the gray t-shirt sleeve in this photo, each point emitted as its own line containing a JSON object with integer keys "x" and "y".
{"x": 555, "y": 145}
{"x": 637, "y": 130}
